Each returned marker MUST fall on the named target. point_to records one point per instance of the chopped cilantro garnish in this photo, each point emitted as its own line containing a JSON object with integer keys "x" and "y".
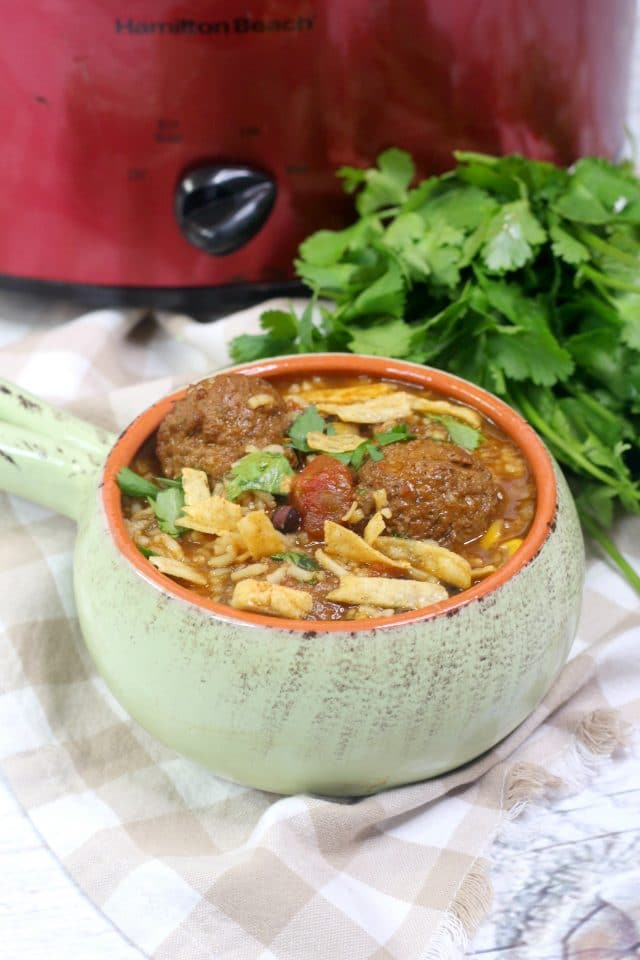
{"x": 167, "y": 503}
{"x": 309, "y": 421}
{"x": 168, "y": 506}
{"x": 395, "y": 435}
{"x": 261, "y": 471}
{"x": 371, "y": 448}
{"x": 459, "y": 432}
{"x": 300, "y": 559}
{"x": 133, "y": 485}
{"x": 165, "y": 482}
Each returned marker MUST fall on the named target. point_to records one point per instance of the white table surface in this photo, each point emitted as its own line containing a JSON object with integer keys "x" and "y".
{"x": 566, "y": 879}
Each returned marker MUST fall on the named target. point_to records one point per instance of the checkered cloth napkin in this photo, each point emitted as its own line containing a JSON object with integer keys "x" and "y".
{"x": 189, "y": 866}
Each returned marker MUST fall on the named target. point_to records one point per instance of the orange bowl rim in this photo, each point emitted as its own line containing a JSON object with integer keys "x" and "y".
{"x": 449, "y": 385}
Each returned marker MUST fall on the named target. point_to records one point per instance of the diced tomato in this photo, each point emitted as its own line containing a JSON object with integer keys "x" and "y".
{"x": 322, "y": 491}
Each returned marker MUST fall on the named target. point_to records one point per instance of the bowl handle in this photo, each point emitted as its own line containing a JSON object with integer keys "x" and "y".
{"x": 47, "y": 455}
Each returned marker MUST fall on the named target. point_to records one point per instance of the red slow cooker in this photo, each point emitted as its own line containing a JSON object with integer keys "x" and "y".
{"x": 160, "y": 144}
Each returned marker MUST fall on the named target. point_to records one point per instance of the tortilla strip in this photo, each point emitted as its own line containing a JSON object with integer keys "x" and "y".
{"x": 443, "y": 407}
{"x": 430, "y": 558}
{"x": 260, "y": 596}
{"x": 176, "y": 568}
{"x": 374, "y": 528}
{"x": 216, "y": 515}
{"x": 195, "y": 484}
{"x": 385, "y": 592}
{"x": 479, "y": 573}
{"x": 335, "y": 444}
{"x": 259, "y": 535}
{"x": 344, "y": 543}
{"x": 380, "y": 499}
{"x": 331, "y": 565}
{"x": 387, "y": 407}
{"x": 354, "y": 394}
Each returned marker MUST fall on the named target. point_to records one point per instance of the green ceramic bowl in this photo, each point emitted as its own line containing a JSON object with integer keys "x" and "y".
{"x": 338, "y": 708}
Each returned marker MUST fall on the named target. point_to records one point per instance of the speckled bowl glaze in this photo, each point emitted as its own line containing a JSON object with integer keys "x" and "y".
{"x": 337, "y": 708}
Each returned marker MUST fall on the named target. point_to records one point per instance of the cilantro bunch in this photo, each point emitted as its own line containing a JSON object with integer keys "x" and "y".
{"x": 518, "y": 275}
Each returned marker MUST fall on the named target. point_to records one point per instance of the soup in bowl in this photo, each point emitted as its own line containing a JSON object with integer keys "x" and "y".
{"x": 330, "y": 573}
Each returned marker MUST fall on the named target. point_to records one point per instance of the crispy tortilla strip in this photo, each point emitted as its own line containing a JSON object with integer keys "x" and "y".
{"x": 430, "y": 558}
{"x": 353, "y": 515}
{"x": 176, "y": 568}
{"x": 216, "y": 515}
{"x": 334, "y": 444}
{"x": 345, "y": 428}
{"x": 260, "y": 596}
{"x": 259, "y": 535}
{"x": 344, "y": 543}
{"x": 331, "y": 565}
{"x": 384, "y": 592}
{"x": 195, "y": 484}
{"x": 443, "y": 407}
{"x": 354, "y": 394}
{"x": 380, "y": 499}
{"x": 479, "y": 573}
{"x": 374, "y": 528}
{"x": 392, "y": 406}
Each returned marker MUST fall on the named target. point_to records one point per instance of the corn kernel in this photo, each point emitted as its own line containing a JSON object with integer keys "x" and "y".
{"x": 492, "y": 534}
{"x": 510, "y": 546}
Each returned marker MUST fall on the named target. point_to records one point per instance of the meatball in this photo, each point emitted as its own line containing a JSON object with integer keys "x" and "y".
{"x": 211, "y": 426}
{"x": 436, "y": 491}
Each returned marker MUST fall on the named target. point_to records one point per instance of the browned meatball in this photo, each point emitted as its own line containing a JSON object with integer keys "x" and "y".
{"x": 436, "y": 491}
{"x": 211, "y": 426}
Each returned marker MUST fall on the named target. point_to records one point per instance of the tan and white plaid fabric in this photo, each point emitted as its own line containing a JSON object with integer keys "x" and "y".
{"x": 188, "y": 866}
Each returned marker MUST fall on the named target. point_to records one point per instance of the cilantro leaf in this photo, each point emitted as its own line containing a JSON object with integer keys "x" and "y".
{"x": 309, "y": 421}
{"x": 326, "y": 246}
{"x": 355, "y": 458}
{"x": 628, "y": 307}
{"x": 303, "y": 560}
{"x": 168, "y": 506}
{"x": 261, "y": 471}
{"x": 513, "y": 233}
{"x": 374, "y": 453}
{"x": 392, "y": 338}
{"x": 383, "y": 185}
{"x": 281, "y": 328}
{"x": 532, "y": 355}
{"x": 459, "y": 432}
{"x": 166, "y": 482}
{"x": 565, "y": 246}
{"x": 133, "y": 485}
{"x": 167, "y": 502}
{"x": 396, "y": 434}
{"x": 384, "y": 296}
{"x": 368, "y": 448}
{"x": 599, "y": 192}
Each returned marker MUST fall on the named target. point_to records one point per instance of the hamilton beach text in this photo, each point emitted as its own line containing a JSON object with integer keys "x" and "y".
{"x": 235, "y": 25}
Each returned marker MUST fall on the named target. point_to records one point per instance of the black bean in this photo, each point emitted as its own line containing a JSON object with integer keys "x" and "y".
{"x": 286, "y": 519}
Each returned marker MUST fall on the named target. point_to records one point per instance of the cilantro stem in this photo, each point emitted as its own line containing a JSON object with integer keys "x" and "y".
{"x": 606, "y": 280}
{"x": 597, "y": 243}
{"x": 598, "y": 534}
{"x": 598, "y": 409}
{"x": 569, "y": 449}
